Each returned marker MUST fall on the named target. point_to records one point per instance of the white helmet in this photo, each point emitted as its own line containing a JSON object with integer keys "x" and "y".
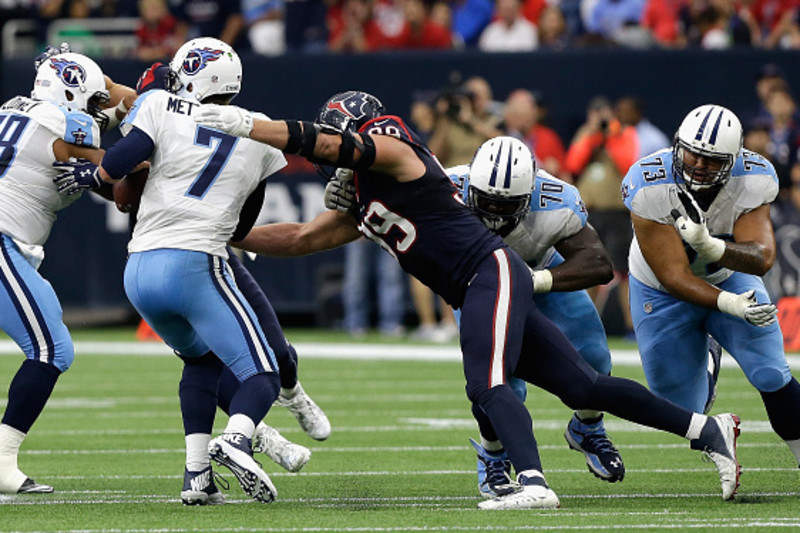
{"x": 205, "y": 67}
{"x": 713, "y": 132}
{"x": 72, "y": 81}
{"x": 501, "y": 178}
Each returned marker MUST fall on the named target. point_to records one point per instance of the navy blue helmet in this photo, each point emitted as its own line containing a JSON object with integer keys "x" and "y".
{"x": 349, "y": 111}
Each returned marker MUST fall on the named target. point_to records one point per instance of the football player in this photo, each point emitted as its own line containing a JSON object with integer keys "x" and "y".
{"x": 309, "y": 415}
{"x": 543, "y": 219}
{"x": 703, "y": 238}
{"x": 54, "y": 124}
{"x": 408, "y": 205}
{"x": 205, "y": 188}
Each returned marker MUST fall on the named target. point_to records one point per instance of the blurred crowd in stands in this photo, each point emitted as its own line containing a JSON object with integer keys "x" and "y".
{"x": 357, "y": 26}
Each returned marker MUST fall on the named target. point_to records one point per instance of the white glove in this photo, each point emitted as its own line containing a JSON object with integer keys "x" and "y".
{"x": 340, "y": 193}
{"x": 693, "y": 230}
{"x": 745, "y": 306}
{"x": 227, "y": 118}
{"x": 542, "y": 280}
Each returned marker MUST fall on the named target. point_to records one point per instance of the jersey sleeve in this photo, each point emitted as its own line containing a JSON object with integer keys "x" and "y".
{"x": 145, "y": 115}
{"x": 459, "y": 175}
{"x": 646, "y": 188}
{"x": 394, "y": 127}
{"x": 760, "y": 181}
{"x": 558, "y": 207}
{"x": 74, "y": 127}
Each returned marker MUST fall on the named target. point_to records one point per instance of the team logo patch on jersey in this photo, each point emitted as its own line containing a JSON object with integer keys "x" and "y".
{"x": 197, "y": 59}
{"x": 71, "y": 73}
{"x": 79, "y": 135}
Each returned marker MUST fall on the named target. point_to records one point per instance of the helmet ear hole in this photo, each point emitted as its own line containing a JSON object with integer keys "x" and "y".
{"x": 189, "y": 87}
{"x": 69, "y": 96}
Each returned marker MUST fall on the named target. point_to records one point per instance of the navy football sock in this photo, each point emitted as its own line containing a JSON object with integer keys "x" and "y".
{"x": 512, "y": 423}
{"x": 198, "y": 392}
{"x": 782, "y": 407}
{"x": 484, "y": 424}
{"x": 255, "y": 396}
{"x": 228, "y": 385}
{"x": 28, "y": 393}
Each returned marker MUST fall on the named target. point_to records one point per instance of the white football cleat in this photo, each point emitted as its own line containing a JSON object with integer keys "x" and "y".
{"x": 723, "y": 454}
{"x": 311, "y": 418}
{"x": 532, "y": 493}
{"x": 234, "y": 451}
{"x": 289, "y": 455}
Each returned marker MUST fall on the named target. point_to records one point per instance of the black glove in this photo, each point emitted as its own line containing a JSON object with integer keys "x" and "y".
{"x": 77, "y": 175}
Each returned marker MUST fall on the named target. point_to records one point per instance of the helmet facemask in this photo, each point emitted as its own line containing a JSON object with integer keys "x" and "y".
{"x": 501, "y": 178}
{"x": 498, "y": 213}
{"x": 711, "y": 133}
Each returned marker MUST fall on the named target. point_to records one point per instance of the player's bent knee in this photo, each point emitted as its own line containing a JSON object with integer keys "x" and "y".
{"x": 64, "y": 356}
{"x": 769, "y": 379}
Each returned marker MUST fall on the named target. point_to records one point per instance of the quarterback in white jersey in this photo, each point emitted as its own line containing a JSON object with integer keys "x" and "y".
{"x": 702, "y": 238}
{"x": 52, "y": 125}
{"x": 204, "y": 189}
{"x": 537, "y": 215}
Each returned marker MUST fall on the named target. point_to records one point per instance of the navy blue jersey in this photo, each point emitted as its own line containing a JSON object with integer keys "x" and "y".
{"x": 423, "y": 223}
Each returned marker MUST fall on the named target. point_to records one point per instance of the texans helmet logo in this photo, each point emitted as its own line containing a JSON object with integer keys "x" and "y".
{"x": 71, "y": 73}
{"x": 351, "y": 104}
{"x": 197, "y": 59}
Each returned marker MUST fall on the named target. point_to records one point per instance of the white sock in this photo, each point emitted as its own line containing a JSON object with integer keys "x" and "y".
{"x": 197, "y": 451}
{"x": 291, "y": 393}
{"x": 240, "y": 423}
{"x": 794, "y": 445}
{"x": 11, "y": 479}
{"x": 10, "y": 440}
{"x": 491, "y": 446}
{"x": 696, "y": 425}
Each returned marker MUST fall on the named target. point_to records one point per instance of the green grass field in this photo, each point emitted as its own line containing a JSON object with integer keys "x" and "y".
{"x": 398, "y": 459}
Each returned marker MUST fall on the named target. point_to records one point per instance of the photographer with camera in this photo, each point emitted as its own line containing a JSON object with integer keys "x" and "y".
{"x": 598, "y": 158}
{"x": 464, "y": 120}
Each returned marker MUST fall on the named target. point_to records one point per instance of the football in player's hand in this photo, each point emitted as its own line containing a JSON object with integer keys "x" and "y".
{"x": 128, "y": 191}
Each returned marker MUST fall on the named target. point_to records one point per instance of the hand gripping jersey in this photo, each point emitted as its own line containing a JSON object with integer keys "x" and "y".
{"x": 199, "y": 178}
{"x": 649, "y": 190}
{"x": 423, "y": 223}
{"x": 556, "y": 212}
{"x": 28, "y": 197}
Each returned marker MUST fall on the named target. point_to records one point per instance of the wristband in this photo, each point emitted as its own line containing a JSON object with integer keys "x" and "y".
{"x": 728, "y": 302}
{"x": 713, "y": 249}
{"x": 542, "y": 280}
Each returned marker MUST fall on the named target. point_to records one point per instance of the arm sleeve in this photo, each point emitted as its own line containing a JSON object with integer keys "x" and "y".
{"x": 127, "y": 153}
{"x": 250, "y": 211}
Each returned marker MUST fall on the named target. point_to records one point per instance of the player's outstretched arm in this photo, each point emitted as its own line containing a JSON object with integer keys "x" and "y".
{"x": 380, "y": 153}
{"x": 328, "y": 230}
{"x": 586, "y": 262}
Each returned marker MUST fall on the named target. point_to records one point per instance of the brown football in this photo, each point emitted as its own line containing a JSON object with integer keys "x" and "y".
{"x": 128, "y": 191}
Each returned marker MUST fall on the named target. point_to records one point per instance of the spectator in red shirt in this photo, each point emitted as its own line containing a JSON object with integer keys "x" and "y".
{"x": 353, "y": 28}
{"x": 521, "y": 120}
{"x": 420, "y": 30}
{"x": 155, "y": 33}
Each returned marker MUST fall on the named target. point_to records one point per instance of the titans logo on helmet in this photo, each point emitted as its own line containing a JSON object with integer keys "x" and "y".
{"x": 71, "y": 73}
{"x": 197, "y": 59}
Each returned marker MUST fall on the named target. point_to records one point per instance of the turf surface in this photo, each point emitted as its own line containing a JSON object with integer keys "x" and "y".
{"x": 111, "y": 443}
